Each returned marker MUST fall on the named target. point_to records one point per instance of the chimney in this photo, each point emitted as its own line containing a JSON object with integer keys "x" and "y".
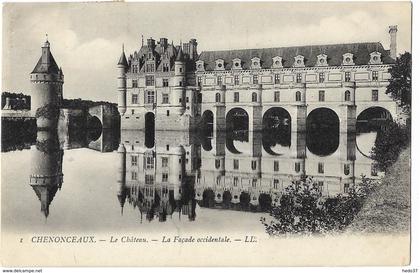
{"x": 151, "y": 43}
{"x": 393, "y": 39}
{"x": 163, "y": 42}
{"x": 193, "y": 49}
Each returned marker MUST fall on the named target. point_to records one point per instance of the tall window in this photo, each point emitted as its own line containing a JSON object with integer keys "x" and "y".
{"x": 276, "y": 166}
{"x": 236, "y": 97}
{"x": 321, "y": 95}
{"x": 254, "y": 183}
{"x": 164, "y": 177}
{"x": 133, "y": 160}
{"x": 235, "y": 181}
{"x": 297, "y": 167}
{"x": 165, "y": 82}
{"x": 235, "y": 164}
{"x": 255, "y": 79}
{"x": 165, "y": 67}
{"x": 347, "y": 76}
{"x": 253, "y": 164}
{"x": 150, "y": 67}
{"x": 374, "y": 95}
{"x": 321, "y": 186}
{"x": 134, "y": 99}
{"x": 199, "y": 81}
{"x": 217, "y": 163}
{"x": 150, "y": 96}
{"x": 165, "y": 98}
{"x": 298, "y": 96}
{"x": 217, "y": 97}
{"x": 374, "y": 75}
{"x": 254, "y": 97}
{"x": 149, "y": 162}
{"x": 149, "y": 179}
{"x": 320, "y": 167}
{"x": 299, "y": 77}
{"x": 219, "y": 80}
{"x": 164, "y": 162}
{"x": 135, "y": 68}
{"x": 236, "y": 79}
{"x": 135, "y": 83}
{"x": 276, "y": 96}
{"x": 346, "y": 169}
{"x": 321, "y": 77}
{"x": 150, "y": 80}
{"x": 276, "y": 78}
{"x": 373, "y": 170}
{"x": 133, "y": 175}
{"x": 276, "y": 184}
{"x": 347, "y": 95}
{"x": 346, "y": 187}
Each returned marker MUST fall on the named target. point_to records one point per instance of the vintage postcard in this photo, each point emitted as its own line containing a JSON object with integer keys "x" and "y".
{"x": 206, "y": 134}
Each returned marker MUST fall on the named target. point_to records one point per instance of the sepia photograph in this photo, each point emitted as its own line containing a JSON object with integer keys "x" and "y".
{"x": 206, "y": 134}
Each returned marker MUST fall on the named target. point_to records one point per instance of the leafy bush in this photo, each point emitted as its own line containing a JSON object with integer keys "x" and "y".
{"x": 303, "y": 209}
{"x": 389, "y": 143}
{"x": 49, "y": 111}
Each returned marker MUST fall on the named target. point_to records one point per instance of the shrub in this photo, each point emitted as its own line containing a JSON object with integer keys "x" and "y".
{"x": 303, "y": 209}
{"x": 389, "y": 143}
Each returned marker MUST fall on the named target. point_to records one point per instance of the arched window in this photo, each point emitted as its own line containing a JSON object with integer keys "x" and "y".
{"x": 347, "y": 95}
{"x": 217, "y": 97}
{"x": 217, "y": 163}
{"x": 254, "y": 97}
{"x": 298, "y": 96}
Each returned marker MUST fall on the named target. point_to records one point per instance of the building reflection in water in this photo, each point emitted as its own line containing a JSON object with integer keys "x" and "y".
{"x": 158, "y": 181}
{"x": 176, "y": 171}
{"x": 238, "y": 170}
{"x": 46, "y": 176}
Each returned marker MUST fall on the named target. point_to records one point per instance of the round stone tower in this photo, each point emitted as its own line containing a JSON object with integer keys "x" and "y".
{"x": 179, "y": 79}
{"x": 122, "y": 83}
{"x": 47, "y": 81}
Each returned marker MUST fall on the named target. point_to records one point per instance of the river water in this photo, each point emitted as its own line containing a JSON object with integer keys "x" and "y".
{"x": 137, "y": 181}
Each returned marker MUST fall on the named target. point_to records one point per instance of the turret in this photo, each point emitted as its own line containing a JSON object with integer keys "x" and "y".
{"x": 178, "y": 90}
{"x": 393, "y": 41}
{"x": 122, "y": 83}
{"x": 121, "y": 188}
{"x": 47, "y": 81}
{"x": 46, "y": 169}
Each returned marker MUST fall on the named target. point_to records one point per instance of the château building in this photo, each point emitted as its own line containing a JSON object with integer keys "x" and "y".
{"x": 174, "y": 88}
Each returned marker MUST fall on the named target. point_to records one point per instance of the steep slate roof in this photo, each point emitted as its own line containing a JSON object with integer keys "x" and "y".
{"x": 51, "y": 67}
{"x": 361, "y": 55}
{"x": 123, "y": 60}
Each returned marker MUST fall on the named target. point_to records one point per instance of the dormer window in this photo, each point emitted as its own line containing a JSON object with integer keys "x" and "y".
{"x": 199, "y": 65}
{"x": 348, "y": 59}
{"x": 375, "y": 58}
{"x": 299, "y": 61}
{"x": 220, "y": 64}
{"x": 236, "y": 63}
{"x": 255, "y": 63}
{"x": 322, "y": 60}
{"x": 277, "y": 62}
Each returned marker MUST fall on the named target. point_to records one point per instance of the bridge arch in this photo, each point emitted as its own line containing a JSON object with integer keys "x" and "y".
{"x": 323, "y": 131}
{"x": 237, "y": 119}
{"x": 207, "y": 119}
{"x": 149, "y": 125}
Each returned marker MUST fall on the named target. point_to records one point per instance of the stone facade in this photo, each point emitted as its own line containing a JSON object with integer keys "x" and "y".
{"x": 346, "y": 78}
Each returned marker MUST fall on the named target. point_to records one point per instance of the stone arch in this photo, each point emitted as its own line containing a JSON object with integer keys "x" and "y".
{"x": 208, "y": 198}
{"x": 237, "y": 119}
{"x": 277, "y": 129}
{"x": 207, "y": 119}
{"x": 264, "y": 200}
{"x": 227, "y": 197}
{"x": 244, "y": 199}
{"x": 323, "y": 131}
{"x": 149, "y": 125}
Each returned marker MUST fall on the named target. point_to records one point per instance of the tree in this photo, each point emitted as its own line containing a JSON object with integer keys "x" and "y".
{"x": 400, "y": 82}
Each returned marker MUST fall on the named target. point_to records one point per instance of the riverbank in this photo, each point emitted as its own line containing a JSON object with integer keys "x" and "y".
{"x": 387, "y": 210}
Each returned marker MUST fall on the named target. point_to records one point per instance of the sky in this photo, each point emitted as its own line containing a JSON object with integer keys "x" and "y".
{"x": 86, "y": 38}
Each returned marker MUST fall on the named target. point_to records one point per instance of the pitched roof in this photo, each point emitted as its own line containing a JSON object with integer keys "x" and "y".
{"x": 50, "y": 67}
{"x": 123, "y": 60}
{"x": 180, "y": 55}
{"x": 361, "y": 55}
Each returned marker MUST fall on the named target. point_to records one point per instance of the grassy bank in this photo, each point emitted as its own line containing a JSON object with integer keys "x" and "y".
{"x": 388, "y": 208}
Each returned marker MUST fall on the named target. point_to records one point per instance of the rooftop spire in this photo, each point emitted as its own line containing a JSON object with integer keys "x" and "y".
{"x": 123, "y": 59}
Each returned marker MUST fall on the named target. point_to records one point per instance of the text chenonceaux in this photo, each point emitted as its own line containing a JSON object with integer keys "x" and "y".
{"x": 63, "y": 239}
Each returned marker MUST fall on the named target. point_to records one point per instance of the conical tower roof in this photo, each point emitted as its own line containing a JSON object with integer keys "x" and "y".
{"x": 46, "y": 63}
{"x": 123, "y": 59}
{"x": 180, "y": 56}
